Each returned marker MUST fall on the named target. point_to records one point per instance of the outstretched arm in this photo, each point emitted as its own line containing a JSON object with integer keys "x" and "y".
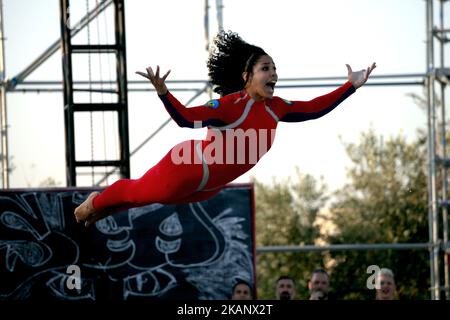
{"x": 194, "y": 117}
{"x": 296, "y": 111}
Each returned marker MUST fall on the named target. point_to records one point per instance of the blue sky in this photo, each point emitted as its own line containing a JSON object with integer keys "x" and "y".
{"x": 305, "y": 39}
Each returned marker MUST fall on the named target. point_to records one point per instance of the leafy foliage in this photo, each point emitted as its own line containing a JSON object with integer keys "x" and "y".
{"x": 286, "y": 213}
{"x": 384, "y": 201}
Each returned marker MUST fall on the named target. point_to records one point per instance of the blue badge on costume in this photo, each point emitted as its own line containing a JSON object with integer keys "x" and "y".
{"x": 212, "y": 104}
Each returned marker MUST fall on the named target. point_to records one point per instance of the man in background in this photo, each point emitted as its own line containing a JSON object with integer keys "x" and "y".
{"x": 241, "y": 291}
{"x": 387, "y": 288}
{"x": 319, "y": 285}
{"x": 285, "y": 288}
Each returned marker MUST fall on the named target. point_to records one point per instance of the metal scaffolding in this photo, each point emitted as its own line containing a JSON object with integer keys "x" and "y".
{"x": 119, "y": 90}
{"x": 436, "y": 75}
{"x": 3, "y": 111}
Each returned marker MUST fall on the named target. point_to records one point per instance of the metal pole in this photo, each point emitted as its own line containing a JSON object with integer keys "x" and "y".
{"x": 69, "y": 123}
{"x": 219, "y": 12}
{"x": 444, "y": 156}
{"x": 119, "y": 19}
{"x": 432, "y": 183}
{"x": 208, "y": 48}
{"x": 413, "y": 79}
{"x": 206, "y": 24}
{"x": 342, "y": 247}
{"x": 3, "y": 113}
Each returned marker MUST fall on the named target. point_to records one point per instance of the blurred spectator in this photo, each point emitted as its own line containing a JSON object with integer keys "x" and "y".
{"x": 285, "y": 288}
{"x": 387, "y": 289}
{"x": 319, "y": 285}
{"x": 241, "y": 291}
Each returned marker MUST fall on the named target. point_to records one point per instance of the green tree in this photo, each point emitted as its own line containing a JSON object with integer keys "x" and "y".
{"x": 49, "y": 182}
{"x": 385, "y": 201}
{"x": 286, "y": 214}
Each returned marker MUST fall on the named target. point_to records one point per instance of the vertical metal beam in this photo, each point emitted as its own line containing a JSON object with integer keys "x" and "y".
{"x": 219, "y": 13}
{"x": 3, "y": 109}
{"x": 68, "y": 93}
{"x": 206, "y": 24}
{"x": 444, "y": 155}
{"x": 207, "y": 40}
{"x": 119, "y": 17}
{"x": 432, "y": 178}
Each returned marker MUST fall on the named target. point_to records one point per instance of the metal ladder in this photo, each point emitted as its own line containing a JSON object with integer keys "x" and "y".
{"x": 122, "y": 164}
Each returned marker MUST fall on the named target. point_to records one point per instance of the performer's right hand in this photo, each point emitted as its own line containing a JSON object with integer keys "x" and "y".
{"x": 358, "y": 78}
{"x": 157, "y": 81}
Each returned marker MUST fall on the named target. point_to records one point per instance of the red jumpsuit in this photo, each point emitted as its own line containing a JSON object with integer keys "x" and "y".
{"x": 240, "y": 131}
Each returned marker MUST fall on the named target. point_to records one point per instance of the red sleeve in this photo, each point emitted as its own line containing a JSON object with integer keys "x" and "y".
{"x": 296, "y": 111}
{"x": 194, "y": 117}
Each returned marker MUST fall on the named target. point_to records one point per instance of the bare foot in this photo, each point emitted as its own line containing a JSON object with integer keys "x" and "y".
{"x": 93, "y": 218}
{"x": 85, "y": 210}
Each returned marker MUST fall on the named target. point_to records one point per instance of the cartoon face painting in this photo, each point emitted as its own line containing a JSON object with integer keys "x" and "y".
{"x": 143, "y": 253}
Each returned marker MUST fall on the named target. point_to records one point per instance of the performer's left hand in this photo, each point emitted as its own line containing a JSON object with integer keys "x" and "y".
{"x": 358, "y": 78}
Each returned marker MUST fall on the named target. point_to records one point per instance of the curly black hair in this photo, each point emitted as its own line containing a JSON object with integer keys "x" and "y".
{"x": 229, "y": 58}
